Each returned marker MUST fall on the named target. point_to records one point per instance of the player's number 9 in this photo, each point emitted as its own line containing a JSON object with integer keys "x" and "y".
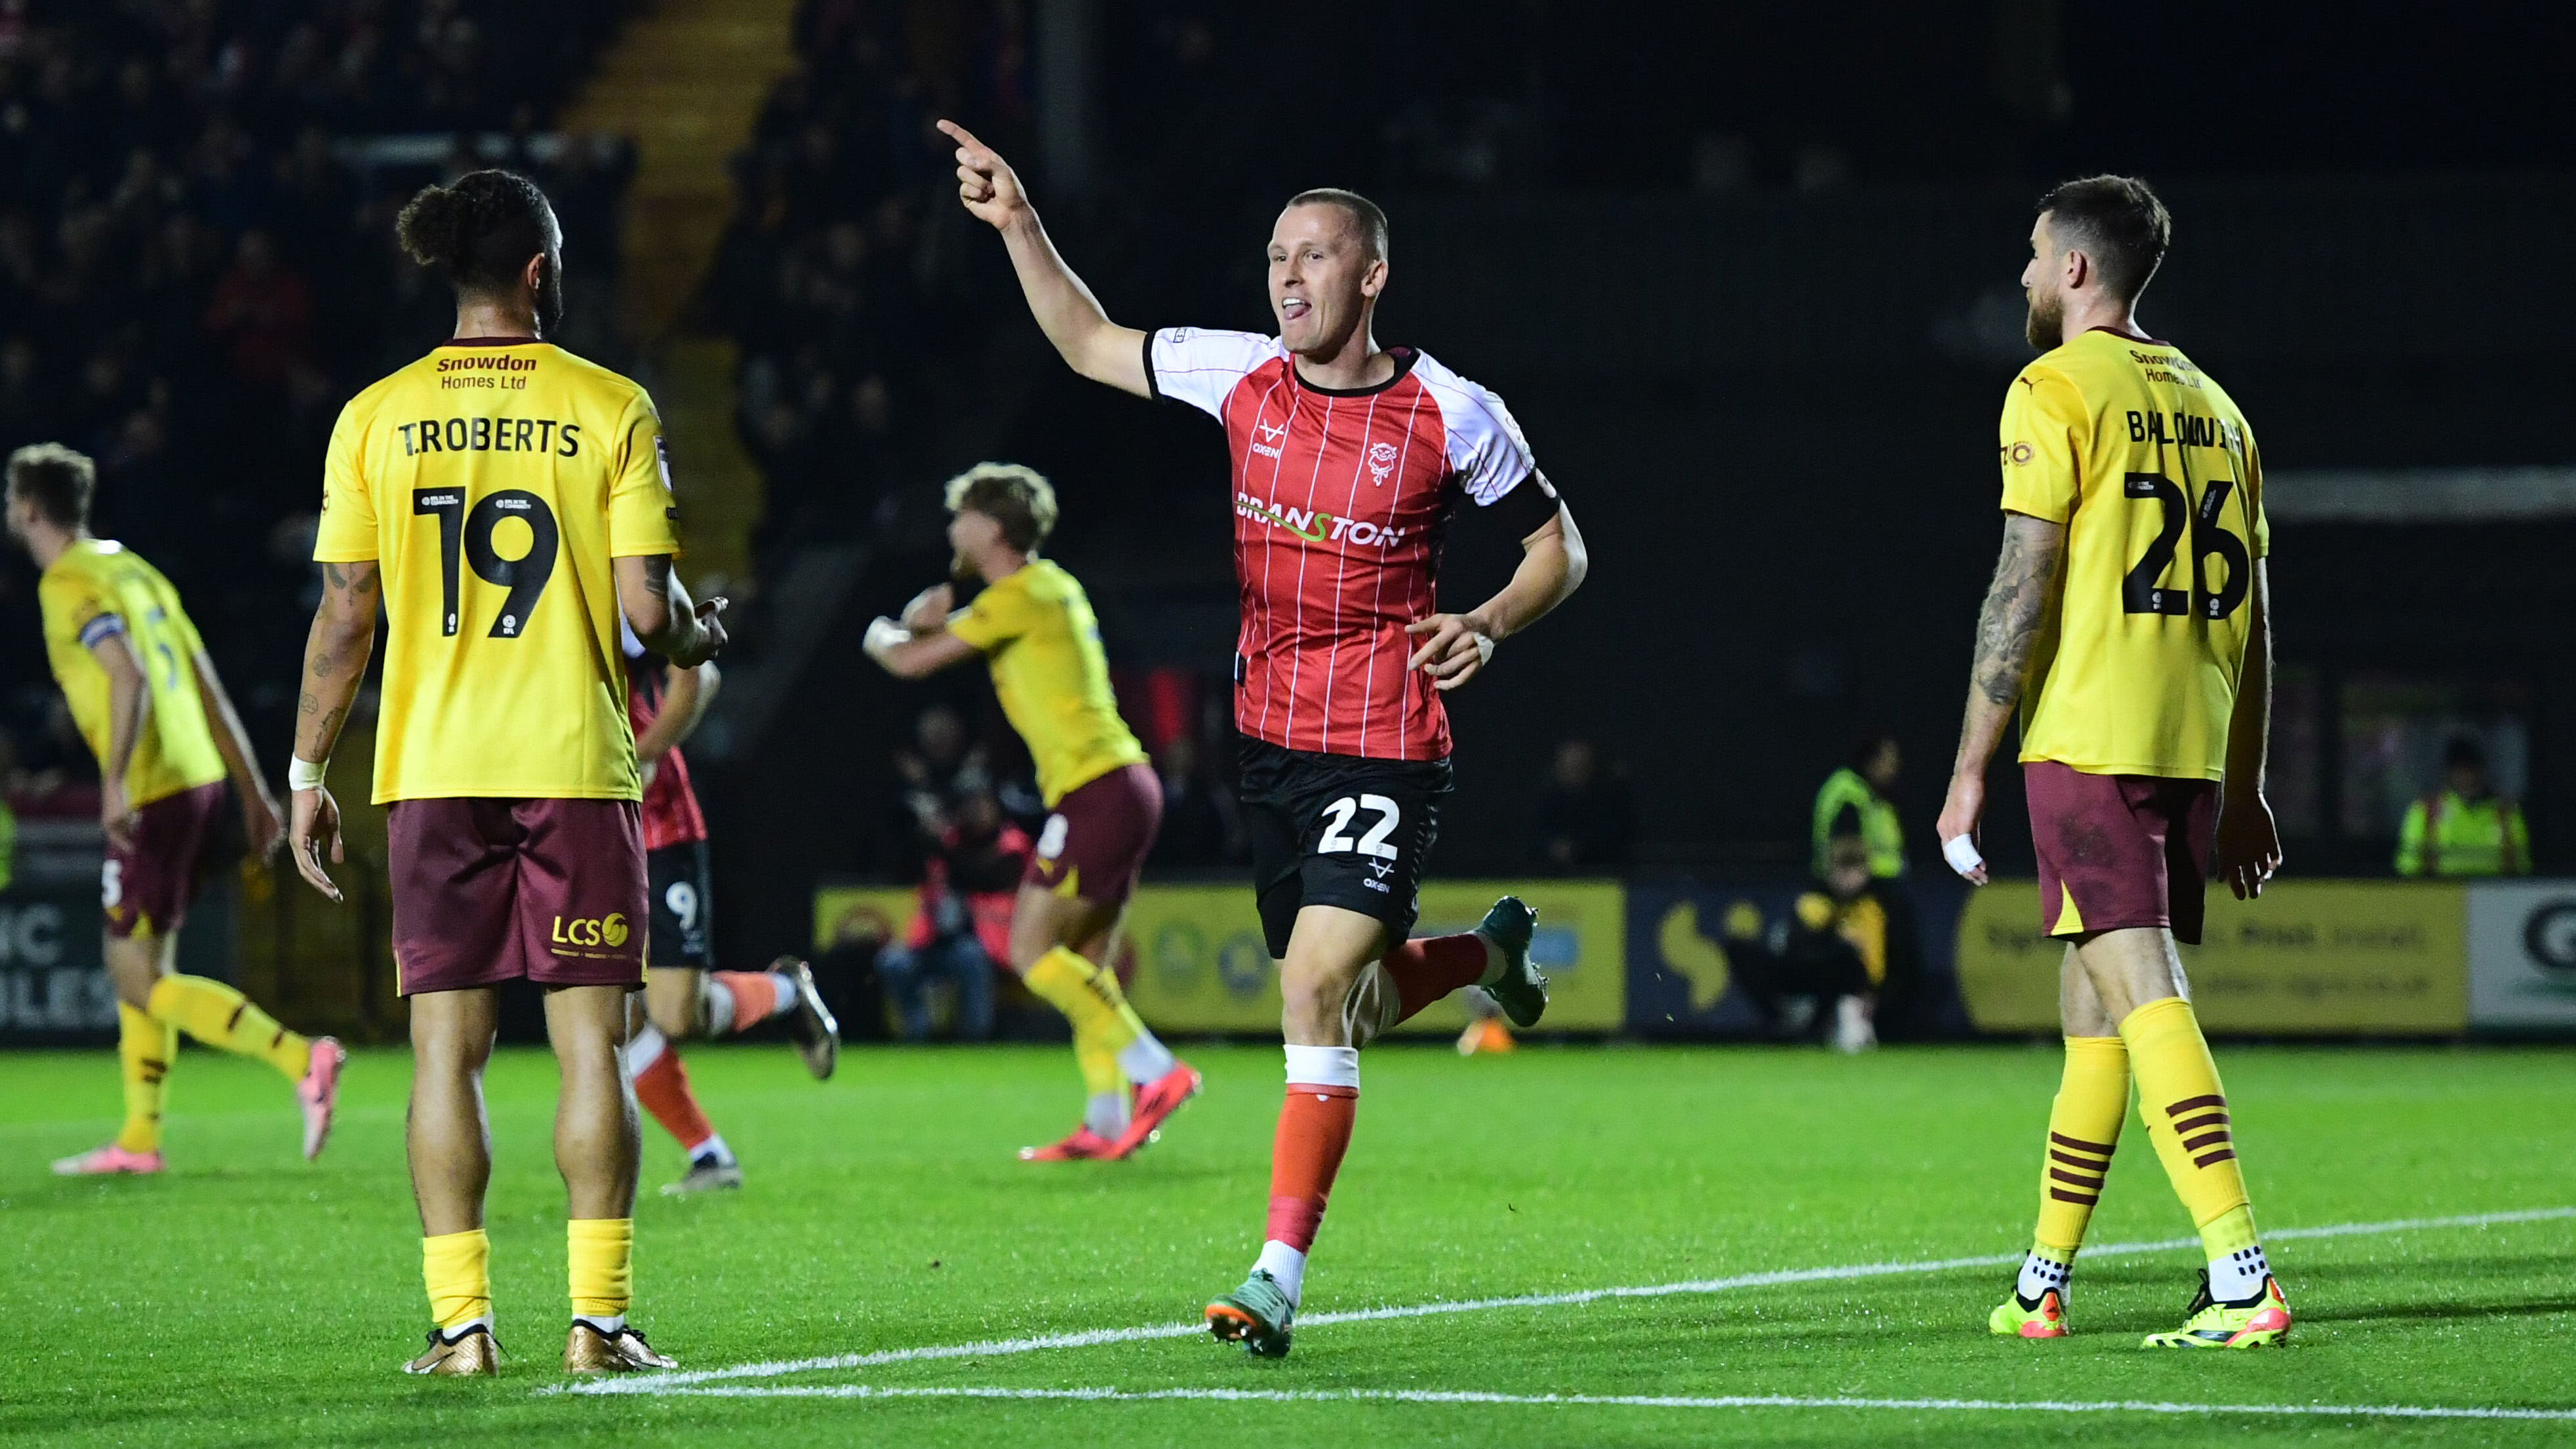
{"x": 466, "y": 538}
{"x": 682, "y": 899}
{"x": 2143, "y": 590}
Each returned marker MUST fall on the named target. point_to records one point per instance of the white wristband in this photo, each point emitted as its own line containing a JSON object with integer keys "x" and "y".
{"x": 303, "y": 774}
{"x": 1962, "y": 854}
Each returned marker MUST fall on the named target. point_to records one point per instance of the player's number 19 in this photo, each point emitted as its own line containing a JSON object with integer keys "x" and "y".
{"x": 466, "y": 537}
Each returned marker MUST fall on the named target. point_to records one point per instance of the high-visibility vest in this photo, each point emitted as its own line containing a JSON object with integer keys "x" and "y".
{"x": 2445, "y": 835}
{"x": 1847, "y": 789}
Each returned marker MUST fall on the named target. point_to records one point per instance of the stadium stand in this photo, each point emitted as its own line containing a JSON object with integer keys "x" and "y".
{"x": 197, "y": 266}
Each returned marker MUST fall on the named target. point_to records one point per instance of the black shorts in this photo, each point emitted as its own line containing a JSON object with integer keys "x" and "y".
{"x": 683, "y": 907}
{"x": 1338, "y": 830}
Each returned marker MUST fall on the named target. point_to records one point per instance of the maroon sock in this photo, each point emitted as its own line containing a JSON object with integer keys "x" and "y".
{"x": 1432, "y": 967}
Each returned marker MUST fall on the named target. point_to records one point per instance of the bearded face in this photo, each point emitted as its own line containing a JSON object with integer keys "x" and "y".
{"x": 2045, "y": 327}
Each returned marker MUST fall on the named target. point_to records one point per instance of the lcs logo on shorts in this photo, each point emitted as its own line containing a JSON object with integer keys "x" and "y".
{"x": 608, "y": 930}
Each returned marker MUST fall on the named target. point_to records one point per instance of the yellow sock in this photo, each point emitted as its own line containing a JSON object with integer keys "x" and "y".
{"x": 143, "y": 1051}
{"x": 601, "y": 1255}
{"x": 1131, "y": 1027}
{"x": 1099, "y": 1065}
{"x": 2186, "y": 1112}
{"x": 1088, "y": 997}
{"x": 219, "y": 1016}
{"x": 458, "y": 1269}
{"x": 2228, "y": 1233}
{"x": 2083, "y": 1128}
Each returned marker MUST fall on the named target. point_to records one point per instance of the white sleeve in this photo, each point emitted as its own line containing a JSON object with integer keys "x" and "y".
{"x": 1487, "y": 454}
{"x": 1199, "y": 367}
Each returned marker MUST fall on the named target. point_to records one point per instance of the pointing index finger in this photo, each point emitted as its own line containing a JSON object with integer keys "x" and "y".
{"x": 963, "y": 137}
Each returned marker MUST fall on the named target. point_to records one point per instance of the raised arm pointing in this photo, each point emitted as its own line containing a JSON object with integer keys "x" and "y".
{"x": 1093, "y": 345}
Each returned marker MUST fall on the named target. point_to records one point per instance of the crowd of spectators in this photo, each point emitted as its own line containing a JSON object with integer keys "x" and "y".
{"x": 838, "y": 274}
{"x": 197, "y": 268}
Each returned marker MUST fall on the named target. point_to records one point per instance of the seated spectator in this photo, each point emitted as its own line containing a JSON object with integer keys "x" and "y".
{"x": 935, "y": 768}
{"x": 1202, "y": 824}
{"x": 261, "y": 313}
{"x": 2465, "y": 828}
{"x": 961, "y": 931}
{"x": 1841, "y": 962}
{"x": 1585, "y": 819}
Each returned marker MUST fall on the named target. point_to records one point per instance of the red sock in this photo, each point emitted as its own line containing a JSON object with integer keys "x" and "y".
{"x": 1429, "y": 969}
{"x": 663, "y": 1088}
{"x": 755, "y": 996}
{"x": 1314, "y": 1132}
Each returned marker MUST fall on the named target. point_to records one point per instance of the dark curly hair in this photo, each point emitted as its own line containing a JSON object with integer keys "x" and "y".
{"x": 479, "y": 230}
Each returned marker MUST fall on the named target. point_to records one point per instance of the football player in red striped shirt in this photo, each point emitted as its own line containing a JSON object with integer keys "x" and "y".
{"x": 1349, "y": 461}
{"x": 685, "y": 997}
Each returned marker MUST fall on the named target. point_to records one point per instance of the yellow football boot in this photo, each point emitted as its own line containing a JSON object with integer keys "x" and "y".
{"x": 2258, "y": 1322}
{"x": 2017, "y": 1317}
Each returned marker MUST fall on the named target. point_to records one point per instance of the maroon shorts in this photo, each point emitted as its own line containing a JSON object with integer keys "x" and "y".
{"x": 2117, "y": 851}
{"x": 490, "y": 890}
{"x": 145, "y": 888}
{"x": 1095, "y": 842}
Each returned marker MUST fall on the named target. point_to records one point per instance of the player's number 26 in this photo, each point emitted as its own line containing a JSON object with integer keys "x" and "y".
{"x": 2144, "y": 591}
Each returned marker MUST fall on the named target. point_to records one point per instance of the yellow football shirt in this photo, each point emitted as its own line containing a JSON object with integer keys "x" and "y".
{"x": 98, "y": 590}
{"x": 492, "y": 482}
{"x": 2153, "y": 471}
{"x": 1038, "y": 630}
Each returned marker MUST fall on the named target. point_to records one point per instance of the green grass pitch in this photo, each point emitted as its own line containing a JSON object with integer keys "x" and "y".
{"x": 246, "y": 1297}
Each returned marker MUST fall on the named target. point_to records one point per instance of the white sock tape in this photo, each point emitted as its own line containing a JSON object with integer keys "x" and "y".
{"x": 1316, "y": 1066}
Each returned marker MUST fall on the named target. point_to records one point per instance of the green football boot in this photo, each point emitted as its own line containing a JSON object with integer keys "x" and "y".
{"x": 2018, "y": 1317}
{"x": 2262, "y": 1321}
{"x": 1258, "y": 1315}
{"x": 1522, "y": 991}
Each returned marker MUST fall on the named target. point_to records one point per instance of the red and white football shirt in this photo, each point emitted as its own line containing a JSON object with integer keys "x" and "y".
{"x": 670, "y": 807}
{"x": 1340, "y": 498}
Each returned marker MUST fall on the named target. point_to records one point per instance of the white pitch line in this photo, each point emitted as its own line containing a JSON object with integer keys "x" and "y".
{"x": 1630, "y": 1401}
{"x": 1089, "y": 1338}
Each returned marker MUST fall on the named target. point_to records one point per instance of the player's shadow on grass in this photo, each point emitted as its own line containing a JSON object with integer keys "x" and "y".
{"x": 2467, "y": 1308}
{"x": 2448, "y": 1270}
{"x": 50, "y": 1192}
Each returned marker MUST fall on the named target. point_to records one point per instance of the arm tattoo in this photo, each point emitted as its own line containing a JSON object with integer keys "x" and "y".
{"x": 2017, "y": 602}
{"x": 353, "y": 577}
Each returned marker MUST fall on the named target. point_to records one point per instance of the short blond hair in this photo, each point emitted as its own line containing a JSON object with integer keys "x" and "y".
{"x": 1013, "y": 495}
{"x": 60, "y": 481}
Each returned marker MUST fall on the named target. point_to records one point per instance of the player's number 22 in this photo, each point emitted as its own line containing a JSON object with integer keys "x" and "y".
{"x": 466, "y": 538}
{"x": 1389, "y": 815}
{"x": 2144, "y": 591}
